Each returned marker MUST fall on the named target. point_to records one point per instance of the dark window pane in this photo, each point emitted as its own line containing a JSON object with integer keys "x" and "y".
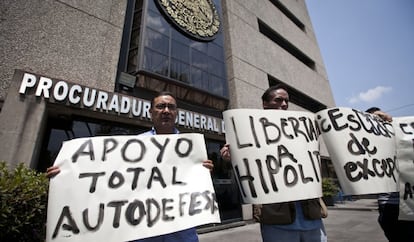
{"x": 202, "y": 47}
{"x": 216, "y": 85}
{"x": 135, "y": 38}
{"x": 151, "y": 5}
{"x": 132, "y": 60}
{"x": 199, "y": 60}
{"x": 180, "y": 71}
{"x": 180, "y": 51}
{"x": 157, "y": 22}
{"x": 155, "y": 62}
{"x": 216, "y": 67}
{"x": 180, "y": 37}
{"x": 199, "y": 78}
{"x": 219, "y": 40}
{"x": 157, "y": 41}
{"x": 168, "y": 52}
{"x": 137, "y": 17}
{"x": 215, "y": 51}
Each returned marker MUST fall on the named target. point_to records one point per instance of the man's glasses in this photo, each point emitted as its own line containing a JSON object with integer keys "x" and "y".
{"x": 162, "y": 106}
{"x": 280, "y": 100}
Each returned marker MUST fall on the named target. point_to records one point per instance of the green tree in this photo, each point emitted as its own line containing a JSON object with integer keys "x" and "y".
{"x": 23, "y": 204}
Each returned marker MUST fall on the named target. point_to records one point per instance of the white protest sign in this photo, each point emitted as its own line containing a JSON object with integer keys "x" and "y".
{"x": 404, "y": 132}
{"x": 362, "y": 150}
{"x": 274, "y": 154}
{"x": 121, "y": 188}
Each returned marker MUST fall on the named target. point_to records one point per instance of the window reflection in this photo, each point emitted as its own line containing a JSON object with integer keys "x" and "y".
{"x": 214, "y": 84}
{"x": 151, "y": 5}
{"x": 180, "y": 51}
{"x": 155, "y": 62}
{"x": 172, "y": 54}
{"x": 202, "y": 47}
{"x": 179, "y": 37}
{"x": 157, "y": 22}
{"x": 180, "y": 71}
{"x": 199, "y": 60}
{"x": 157, "y": 41}
{"x": 199, "y": 78}
{"x": 216, "y": 67}
{"x": 215, "y": 51}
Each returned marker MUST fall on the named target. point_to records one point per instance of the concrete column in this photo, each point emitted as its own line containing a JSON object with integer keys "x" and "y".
{"x": 22, "y": 122}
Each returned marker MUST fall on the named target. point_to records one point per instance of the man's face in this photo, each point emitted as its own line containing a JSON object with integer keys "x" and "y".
{"x": 163, "y": 114}
{"x": 279, "y": 99}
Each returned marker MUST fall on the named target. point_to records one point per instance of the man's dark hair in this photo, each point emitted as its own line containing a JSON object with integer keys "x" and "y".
{"x": 162, "y": 93}
{"x": 266, "y": 94}
{"x": 372, "y": 110}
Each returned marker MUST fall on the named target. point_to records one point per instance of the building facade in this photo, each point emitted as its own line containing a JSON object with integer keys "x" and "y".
{"x": 73, "y": 69}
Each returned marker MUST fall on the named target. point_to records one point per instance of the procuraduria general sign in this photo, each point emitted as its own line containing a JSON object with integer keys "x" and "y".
{"x": 70, "y": 94}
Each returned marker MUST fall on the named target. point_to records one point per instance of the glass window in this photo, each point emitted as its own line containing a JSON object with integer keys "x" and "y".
{"x": 215, "y": 51}
{"x": 180, "y": 51}
{"x": 202, "y": 47}
{"x": 199, "y": 78}
{"x": 151, "y": 5}
{"x": 155, "y": 62}
{"x": 157, "y": 41}
{"x": 132, "y": 60}
{"x": 135, "y": 38}
{"x": 176, "y": 56}
{"x": 179, "y": 37}
{"x": 216, "y": 67}
{"x": 219, "y": 40}
{"x": 137, "y": 16}
{"x": 199, "y": 60}
{"x": 156, "y": 21}
{"x": 215, "y": 87}
{"x": 180, "y": 71}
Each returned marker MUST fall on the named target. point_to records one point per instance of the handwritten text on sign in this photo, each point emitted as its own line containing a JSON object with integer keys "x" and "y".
{"x": 274, "y": 154}
{"x": 121, "y": 188}
{"x": 404, "y": 130}
{"x": 362, "y": 150}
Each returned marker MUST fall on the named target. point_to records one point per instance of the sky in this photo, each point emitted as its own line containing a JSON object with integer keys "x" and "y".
{"x": 367, "y": 47}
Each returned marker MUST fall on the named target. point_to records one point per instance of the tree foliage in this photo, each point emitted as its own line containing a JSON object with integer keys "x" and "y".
{"x": 23, "y": 204}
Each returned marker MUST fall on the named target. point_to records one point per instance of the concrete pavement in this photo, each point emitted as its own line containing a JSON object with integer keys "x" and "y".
{"x": 353, "y": 221}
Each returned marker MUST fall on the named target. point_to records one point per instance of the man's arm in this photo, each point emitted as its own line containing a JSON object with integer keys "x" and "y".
{"x": 225, "y": 152}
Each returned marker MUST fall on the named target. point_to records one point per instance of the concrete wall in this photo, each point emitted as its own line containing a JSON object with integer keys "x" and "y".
{"x": 73, "y": 40}
{"x": 77, "y": 41}
{"x": 251, "y": 55}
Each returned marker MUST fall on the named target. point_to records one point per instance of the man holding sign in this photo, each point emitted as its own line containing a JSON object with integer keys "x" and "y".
{"x": 388, "y": 204}
{"x": 294, "y": 221}
{"x": 163, "y": 113}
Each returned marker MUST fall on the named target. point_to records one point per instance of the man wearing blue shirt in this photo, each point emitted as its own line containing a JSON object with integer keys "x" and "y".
{"x": 163, "y": 114}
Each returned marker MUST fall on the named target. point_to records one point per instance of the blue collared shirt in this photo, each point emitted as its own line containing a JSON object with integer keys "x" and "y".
{"x": 154, "y": 132}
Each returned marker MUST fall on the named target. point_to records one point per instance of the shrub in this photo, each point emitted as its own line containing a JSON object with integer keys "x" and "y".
{"x": 329, "y": 188}
{"x": 23, "y": 204}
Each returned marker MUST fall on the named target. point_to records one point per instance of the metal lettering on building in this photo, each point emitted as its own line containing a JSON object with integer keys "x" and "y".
{"x": 75, "y": 95}
{"x": 197, "y": 18}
